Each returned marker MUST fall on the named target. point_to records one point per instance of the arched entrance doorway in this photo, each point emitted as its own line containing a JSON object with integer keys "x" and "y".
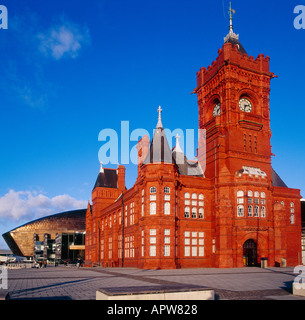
{"x": 250, "y": 253}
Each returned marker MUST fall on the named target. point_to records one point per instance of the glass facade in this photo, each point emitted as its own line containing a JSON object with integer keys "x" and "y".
{"x": 66, "y": 247}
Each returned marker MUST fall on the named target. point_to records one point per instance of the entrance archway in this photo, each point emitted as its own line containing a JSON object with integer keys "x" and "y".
{"x": 250, "y": 253}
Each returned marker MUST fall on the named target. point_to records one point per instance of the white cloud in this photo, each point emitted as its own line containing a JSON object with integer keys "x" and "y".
{"x": 65, "y": 40}
{"x": 17, "y": 205}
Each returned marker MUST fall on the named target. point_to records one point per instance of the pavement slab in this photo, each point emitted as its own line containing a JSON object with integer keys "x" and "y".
{"x": 64, "y": 283}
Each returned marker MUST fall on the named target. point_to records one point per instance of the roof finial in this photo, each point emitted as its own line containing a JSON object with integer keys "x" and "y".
{"x": 101, "y": 169}
{"x": 231, "y": 34}
{"x": 178, "y": 148}
{"x": 231, "y": 12}
{"x": 159, "y": 124}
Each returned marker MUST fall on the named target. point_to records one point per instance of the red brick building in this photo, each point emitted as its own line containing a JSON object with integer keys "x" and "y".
{"x": 233, "y": 214}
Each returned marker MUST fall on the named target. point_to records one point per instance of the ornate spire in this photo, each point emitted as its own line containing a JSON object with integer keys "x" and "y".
{"x": 159, "y": 124}
{"x": 231, "y": 34}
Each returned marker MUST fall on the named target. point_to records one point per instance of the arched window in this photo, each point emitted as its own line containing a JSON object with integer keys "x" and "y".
{"x": 291, "y": 205}
{"x": 263, "y": 195}
{"x": 194, "y": 196}
{"x": 201, "y": 213}
{"x": 263, "y": 212}
{"x": 256, "y": 211}
{"x": 194, "y": 213}
{"x": 240, "y": 194}
{"x": 153, "y": 190}
{"x": 240, "y": 211}
{"x": 292, "y": 219}
{"x": 152, "y": 208}
{"x": 186, "y": 195}
{"x": 167, "y": 208}
{"x": 186, "y": 212}
{"x": 201, "y": 196}
{"x": 256, "y": 194}
{"x": 166, "y": 190}
{"x": 250, "y": 211}
{"x": 250, "y": 194}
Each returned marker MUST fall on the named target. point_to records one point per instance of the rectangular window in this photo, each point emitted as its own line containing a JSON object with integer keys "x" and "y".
{"x": 166, "y": 240}
{"x": 166, "y": 232}
{"x": 153, "y": 197}
{"x": 152, "y": 251}
{"x": 193, "y": 244}
{"x": 152, "y": 232}
{"x": 201, "y": 252}
{"x": 153, "y": 240}
{"x": 186, "y": 251}
{"x": 194, "y": 251}
{"x": 166, "y": 251}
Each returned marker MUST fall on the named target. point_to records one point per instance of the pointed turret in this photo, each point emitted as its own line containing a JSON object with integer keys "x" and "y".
{"x": 159, "y": 151}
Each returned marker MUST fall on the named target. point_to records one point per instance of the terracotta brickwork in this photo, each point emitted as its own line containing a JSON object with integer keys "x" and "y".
{"x": 233, "y": 214}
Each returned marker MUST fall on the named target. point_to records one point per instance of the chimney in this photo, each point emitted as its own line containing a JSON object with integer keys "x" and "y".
{"x": 121, "y": 178}
{"x": 143, "y": 149}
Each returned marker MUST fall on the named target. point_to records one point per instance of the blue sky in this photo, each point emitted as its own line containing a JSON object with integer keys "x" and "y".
{"x": 71, "y": 69}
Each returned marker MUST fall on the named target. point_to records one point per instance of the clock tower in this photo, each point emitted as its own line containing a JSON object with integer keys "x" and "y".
{"x": 233, "y": 101}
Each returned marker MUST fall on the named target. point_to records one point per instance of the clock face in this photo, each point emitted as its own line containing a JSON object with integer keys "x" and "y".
{"x": 245, "y": 105}
{"x": 217, "y": 110}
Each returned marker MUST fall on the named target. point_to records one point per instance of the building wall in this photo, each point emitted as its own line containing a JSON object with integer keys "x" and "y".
{"x": 141, "y": 230}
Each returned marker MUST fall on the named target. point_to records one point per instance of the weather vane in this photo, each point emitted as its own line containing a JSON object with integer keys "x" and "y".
{"x": 231, "y": 13}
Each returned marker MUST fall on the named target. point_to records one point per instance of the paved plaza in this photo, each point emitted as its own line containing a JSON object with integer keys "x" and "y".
{"x": 71, "y": 283}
